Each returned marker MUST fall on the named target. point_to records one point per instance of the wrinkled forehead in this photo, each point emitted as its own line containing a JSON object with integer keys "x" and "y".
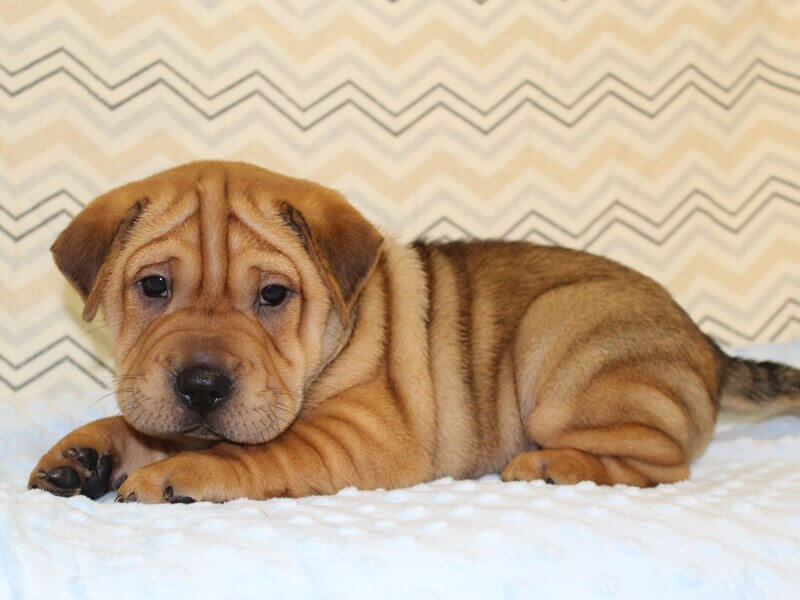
{"x": 212, "y": 213}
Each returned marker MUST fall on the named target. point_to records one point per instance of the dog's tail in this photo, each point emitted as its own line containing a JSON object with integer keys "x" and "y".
{"x": 760, "y": 388}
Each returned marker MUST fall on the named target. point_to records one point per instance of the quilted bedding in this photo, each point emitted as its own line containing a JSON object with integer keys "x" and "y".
{"x": 732, "y": 531}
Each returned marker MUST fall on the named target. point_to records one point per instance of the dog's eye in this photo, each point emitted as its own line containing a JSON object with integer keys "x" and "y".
{"x": 154, "y": 286}
{"x": 273, "y": 295}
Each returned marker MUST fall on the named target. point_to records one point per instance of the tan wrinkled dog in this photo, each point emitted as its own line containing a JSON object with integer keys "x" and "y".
{"x": 270, "y": 342}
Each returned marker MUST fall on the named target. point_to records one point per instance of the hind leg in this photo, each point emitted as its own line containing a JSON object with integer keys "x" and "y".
{"x": 614, "y": 384}
{"x": 617, "y": 431}
{"x": 570, "y": 466}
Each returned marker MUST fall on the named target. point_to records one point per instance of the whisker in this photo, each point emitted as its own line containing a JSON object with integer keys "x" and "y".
{"x": 282, "y": 393}
{"x": 112, "y": 393}
{"x": 99, "y": 324}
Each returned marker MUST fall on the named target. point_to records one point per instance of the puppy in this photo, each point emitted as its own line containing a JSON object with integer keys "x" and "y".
{"x": 270, "y": 342}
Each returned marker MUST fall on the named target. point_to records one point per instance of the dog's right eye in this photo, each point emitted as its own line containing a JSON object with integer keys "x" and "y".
{"x": 154, "y": 286}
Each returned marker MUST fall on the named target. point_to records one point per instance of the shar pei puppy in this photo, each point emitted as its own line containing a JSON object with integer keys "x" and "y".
{"x": 270, "y": 341}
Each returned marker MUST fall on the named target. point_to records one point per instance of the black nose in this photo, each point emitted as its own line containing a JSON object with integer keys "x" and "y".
{"x": 202, "y": 388}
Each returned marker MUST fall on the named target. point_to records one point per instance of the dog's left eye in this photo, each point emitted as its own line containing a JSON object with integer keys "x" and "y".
{"x": 154, "y": 286}
{"x": 273, "y": 295}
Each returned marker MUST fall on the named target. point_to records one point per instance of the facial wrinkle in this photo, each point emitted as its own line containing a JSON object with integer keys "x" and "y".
{"x": 212, "y": 190}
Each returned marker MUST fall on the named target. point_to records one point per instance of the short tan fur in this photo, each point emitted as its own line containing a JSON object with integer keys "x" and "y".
{"x": 387, "y": 364}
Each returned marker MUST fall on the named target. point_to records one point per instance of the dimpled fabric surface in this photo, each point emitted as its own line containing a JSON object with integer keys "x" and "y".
{"x": 732, "y": 531}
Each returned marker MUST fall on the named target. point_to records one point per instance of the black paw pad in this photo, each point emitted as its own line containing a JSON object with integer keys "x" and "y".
{"x": 63, "y": 477}
{"x": 170, "y": 497}
{"x": 96, "y": 484}
{"x": 86, "y": 456}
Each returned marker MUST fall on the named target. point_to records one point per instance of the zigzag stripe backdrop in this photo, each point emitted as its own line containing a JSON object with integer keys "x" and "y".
{"x": 665, "y": 135}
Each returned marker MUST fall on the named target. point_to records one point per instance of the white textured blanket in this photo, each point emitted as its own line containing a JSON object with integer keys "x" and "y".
{"x": 733, "y": 531}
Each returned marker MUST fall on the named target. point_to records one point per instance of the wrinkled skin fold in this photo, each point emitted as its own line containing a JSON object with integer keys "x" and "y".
{"x": 269, "y": 341}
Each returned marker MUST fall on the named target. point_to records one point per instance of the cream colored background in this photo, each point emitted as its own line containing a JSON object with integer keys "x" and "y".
{"x": 663, "y": 134}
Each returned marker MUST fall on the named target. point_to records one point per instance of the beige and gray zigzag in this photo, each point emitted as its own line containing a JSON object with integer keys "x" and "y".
{"x": 190, "y": 69}
{"x": 433, "y": 31}
{"x": 479, "y": 13}
{"x": 279, "y": 146}
{"x": 63, "y": 351}
{"x": 393, "y": 13}
{"x": 570, "y": 172}
{"x": 610, "y": 88}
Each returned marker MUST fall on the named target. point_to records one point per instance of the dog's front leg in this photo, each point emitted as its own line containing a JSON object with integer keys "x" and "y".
{"x": 348, "y": 441}
{"x": 97, "y": 457}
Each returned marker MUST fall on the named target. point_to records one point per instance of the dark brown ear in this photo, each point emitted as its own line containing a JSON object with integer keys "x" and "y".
{"x": 341, "y": 242}
{"x": 81, "y": 250}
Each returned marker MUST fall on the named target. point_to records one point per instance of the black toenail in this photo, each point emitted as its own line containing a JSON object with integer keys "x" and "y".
{"x": 549, "y": 480}
{"x": 63, "y": 477}
{"x": 172, "y": 499}
{"x": 182, "y": 500}
{"x": 88, "y": 458}
{"x": 62, "y": 493}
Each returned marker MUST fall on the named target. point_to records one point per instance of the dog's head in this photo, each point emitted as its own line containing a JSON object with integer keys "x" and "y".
{"x": 226, "y": 288}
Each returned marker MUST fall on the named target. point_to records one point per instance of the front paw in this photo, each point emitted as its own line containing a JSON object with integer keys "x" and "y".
{"x": 73, "y": 470}
{"x": 180, "y": 479}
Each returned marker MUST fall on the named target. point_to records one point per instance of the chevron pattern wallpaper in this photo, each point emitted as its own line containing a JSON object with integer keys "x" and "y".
{"x": 665, "y": 135}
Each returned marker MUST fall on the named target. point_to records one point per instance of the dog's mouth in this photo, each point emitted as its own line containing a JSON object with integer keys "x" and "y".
{"x": 202, "y": 431}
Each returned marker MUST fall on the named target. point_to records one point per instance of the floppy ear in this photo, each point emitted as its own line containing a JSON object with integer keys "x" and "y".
{"x": 342, "y": 243}
{"x": 95, "y": 234}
